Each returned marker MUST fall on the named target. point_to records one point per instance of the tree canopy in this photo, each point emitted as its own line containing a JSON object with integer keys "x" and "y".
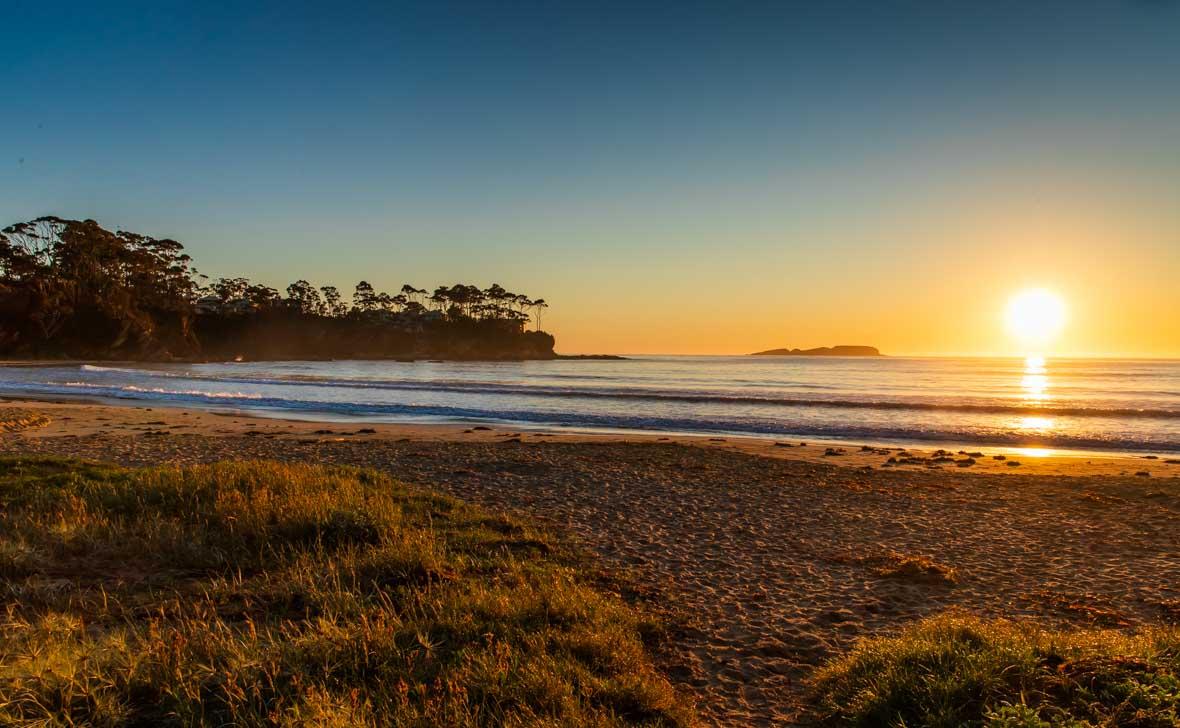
{"x": 73, "y": 288}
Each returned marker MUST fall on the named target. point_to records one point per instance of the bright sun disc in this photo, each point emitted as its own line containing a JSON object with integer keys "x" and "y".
{"x": 1035, "y": 317}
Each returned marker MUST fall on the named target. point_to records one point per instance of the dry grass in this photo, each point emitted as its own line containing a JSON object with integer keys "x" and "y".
{"x": 16, "y": 419}
{"x": 920, "y": 569}
{"x": 270, "y": 594}
{"x": 913, "y": 568}
{"x": 962, "y": 671}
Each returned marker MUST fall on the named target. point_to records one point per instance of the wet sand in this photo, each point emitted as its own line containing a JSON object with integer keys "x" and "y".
{"x": 76, "y": 417}
{"x": 776, "y": 557}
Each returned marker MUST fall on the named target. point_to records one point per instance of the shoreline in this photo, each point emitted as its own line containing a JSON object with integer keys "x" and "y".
{"x": 408, "y": 359}
{"x": 117, "y": 417}
{"x": 1076, "y": 428}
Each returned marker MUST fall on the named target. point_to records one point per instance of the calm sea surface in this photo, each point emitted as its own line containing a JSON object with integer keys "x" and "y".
{"x": 1100, "y": 404}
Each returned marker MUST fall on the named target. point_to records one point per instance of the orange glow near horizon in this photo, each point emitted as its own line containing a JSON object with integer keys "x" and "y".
{"x": 969, "y": 307}
{"x": 931, "y": 284}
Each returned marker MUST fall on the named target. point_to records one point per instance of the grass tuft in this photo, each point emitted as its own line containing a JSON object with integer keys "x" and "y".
{"x": 919, "y": 569}
{"x": 955, "y": 670}
{"x": 15, "y": 419}
{"x": 267, "y": 594}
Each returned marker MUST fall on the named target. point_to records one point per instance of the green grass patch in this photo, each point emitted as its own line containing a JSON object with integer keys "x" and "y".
{"x": 274, "y": 594}
{"x": 962, "y": 671}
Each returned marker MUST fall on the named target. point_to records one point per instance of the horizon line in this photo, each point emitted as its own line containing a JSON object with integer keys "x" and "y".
{"x": 1151, "y": 357}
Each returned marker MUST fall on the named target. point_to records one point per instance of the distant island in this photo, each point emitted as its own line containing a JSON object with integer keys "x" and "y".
{"x": 72, "y": 289}
{"x": 823, "y": 351}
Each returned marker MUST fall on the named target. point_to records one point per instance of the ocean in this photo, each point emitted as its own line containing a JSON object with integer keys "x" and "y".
{"x": 1113, "y": 405}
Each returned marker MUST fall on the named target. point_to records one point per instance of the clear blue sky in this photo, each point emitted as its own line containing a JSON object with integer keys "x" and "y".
{"x": 618, "y": 157}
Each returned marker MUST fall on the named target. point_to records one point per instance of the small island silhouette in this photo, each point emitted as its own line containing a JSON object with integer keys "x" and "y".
{"x": 823, "y": 351}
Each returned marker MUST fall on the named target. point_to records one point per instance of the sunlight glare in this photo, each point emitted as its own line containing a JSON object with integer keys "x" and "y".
{"x": 1034, "y": 384}
{"x": 1035, "y": 317}
{"x": 1041, "y": 424}
{"x": 1034, "y": 387}
{"x": 1035, "y": 452}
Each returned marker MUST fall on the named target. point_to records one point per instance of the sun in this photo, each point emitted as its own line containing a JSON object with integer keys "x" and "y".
{"x": 1035, "y": 317}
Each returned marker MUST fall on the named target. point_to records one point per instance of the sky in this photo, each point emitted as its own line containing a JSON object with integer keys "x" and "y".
{"x": 681, "y": 177}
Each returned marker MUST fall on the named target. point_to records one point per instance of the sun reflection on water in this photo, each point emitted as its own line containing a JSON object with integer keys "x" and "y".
{"x": 1034, "y": 390}
{"x": 1035, "y": 423}
{"x": 1034, "y": 387}
{"x": 1034, "y": 383}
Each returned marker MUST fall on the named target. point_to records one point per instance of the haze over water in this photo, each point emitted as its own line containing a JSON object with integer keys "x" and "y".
{"x": 1084, "y": 404}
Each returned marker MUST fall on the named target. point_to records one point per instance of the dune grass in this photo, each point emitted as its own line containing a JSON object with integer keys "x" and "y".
{"x": 961, "y": 671}
{"x": 274, "y": 594}
{"x": 14, "y": 419}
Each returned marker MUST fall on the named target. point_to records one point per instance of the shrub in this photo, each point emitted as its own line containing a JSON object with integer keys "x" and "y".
{"x": 954, "y": 670}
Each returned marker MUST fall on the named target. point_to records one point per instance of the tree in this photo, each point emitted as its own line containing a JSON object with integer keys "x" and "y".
{"x": 464, "y": 299}
{"x": 262, "y": 298}
{"x": 77, "y": 280}
{"x": 538, "y": 305}
{"x": 364, "y": 298}
{"x": 333, "y": 305}
{"x": 441, "y": 298}
{"x": 413, "y": 294}
{"x": 304, "y": 298}
{"x": 229, "y": 290}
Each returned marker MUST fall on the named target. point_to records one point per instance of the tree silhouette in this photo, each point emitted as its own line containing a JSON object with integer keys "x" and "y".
{"x": 72, "y": 288}
{"x": 538, "y": 306}
{"x": 333, "y": 305}
{"x": 304, "y": 298}
{"x": 364, "y": 298}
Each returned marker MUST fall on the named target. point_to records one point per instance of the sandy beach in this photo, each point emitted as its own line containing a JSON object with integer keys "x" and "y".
{"x": 774, "y": 556}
